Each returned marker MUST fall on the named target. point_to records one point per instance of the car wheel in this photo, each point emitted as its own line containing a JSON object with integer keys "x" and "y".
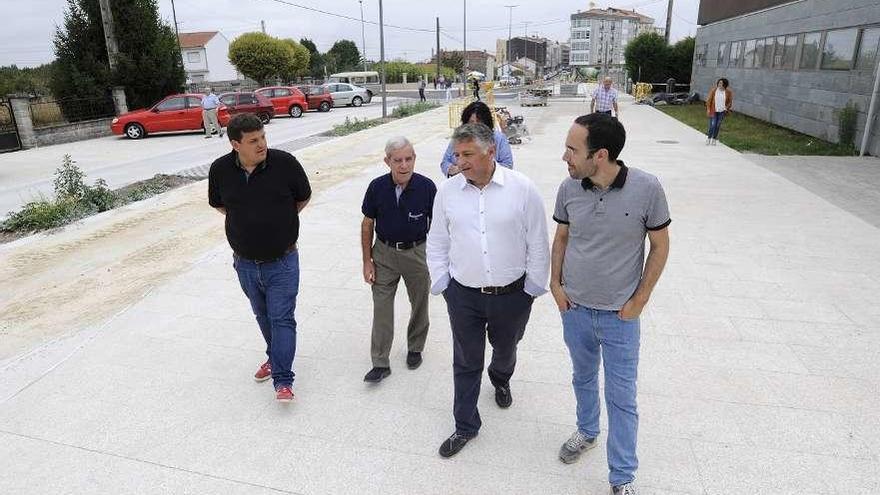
{"x": 324, "y": 107}
{"x": 357, "y": 101}
{"x": 134, "y": 131}
{"x": 264, "y": 118}
{"x": 295, "y": 111}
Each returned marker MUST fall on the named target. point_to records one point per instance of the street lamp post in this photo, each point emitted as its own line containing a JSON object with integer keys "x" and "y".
{"x": 509, "y": 27}
{"x": 382, "y": 59}
{"x": 363, "y": 36}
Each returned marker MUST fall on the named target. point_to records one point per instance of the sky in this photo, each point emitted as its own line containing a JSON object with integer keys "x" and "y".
{"x": 409, "y": 24}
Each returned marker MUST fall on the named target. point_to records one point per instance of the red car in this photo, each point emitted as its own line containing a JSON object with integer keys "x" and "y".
{"x": 249, "y": 102}
{"x": 182, "y": 112}
{"x": 286, "y": 99}
{"x": 319, "y": 97}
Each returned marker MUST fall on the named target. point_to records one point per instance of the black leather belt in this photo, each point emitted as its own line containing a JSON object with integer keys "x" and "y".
{"x": 402, "y": 246}
{"x": 514, "y": 286}
{"x": 259, "y": 262}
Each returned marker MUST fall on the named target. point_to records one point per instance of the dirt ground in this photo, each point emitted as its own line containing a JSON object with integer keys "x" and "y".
{"x": 61, "y": 282}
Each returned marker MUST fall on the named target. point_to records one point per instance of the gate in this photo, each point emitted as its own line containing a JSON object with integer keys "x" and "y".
{"x": 9, "y": 140}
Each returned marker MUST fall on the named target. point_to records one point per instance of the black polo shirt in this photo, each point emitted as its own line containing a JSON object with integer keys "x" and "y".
{"x": 261, "y": 218}
{"x": 407, "y": 220}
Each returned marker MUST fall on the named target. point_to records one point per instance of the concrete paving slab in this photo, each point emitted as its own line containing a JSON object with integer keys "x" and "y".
{"x": 758, "y": 369}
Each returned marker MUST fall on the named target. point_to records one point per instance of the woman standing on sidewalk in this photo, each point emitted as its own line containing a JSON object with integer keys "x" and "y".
{"x": 718, "y": 104}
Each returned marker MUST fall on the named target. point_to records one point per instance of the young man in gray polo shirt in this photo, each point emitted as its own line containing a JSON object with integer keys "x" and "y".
{"x": 601, "y": 283}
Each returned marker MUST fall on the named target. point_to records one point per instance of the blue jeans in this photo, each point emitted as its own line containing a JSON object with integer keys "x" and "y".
{"x": 587, "y": 332}
{"x": 715, "y": 125}
{"x": 271, "y": 288}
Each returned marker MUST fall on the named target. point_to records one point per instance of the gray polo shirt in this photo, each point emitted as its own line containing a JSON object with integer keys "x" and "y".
{"x": 605, "y": 254}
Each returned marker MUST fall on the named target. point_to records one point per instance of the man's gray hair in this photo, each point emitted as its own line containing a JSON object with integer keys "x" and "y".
{"x": 477, "y": 132}
{"x": 396, "y": 143}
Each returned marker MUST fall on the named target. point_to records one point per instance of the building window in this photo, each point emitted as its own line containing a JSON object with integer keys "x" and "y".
{"x": 810, "y": 51}
{"x": 767, "y": 58}
{"x": 778, "y": 45}
{"x": 700, "y": 55}
{"x": 193, "y": 57}
{"x": 199, "y": 78}
{"x": 722, "y": 53}
{"x": 838, "y": 50}
{"x": 749, "y": 55}
{"x": 789, "y": 52}
{"x": 580, "y": 45}
{"x": 759, "y": 53}
{"x": 868, "y": 49}
{"x": 735, "y": 54}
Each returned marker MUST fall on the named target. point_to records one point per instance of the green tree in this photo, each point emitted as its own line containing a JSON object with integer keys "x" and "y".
{"x": 261, "y": 57}
{"x": 148, "y": 64}
{"x": 28, "y": 80}
{"x": 395, "y": 69}
{"x": 299, "y": 63}
{"x": 316, "y": 60}
{"x": 453, "y": 60}
{"x": 681, "y": 60}
{"x": 346, "y": 55}
{"x": 647, "y": 58}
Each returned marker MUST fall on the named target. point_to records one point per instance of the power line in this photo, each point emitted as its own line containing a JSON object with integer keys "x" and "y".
{"x": 342, "y": 16}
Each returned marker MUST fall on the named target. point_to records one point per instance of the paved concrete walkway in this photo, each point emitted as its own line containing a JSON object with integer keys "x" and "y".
{"x": 759, "y": 370}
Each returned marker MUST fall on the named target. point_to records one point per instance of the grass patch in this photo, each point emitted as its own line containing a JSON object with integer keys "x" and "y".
{"x": 75, "y": 200}
{"x": 350, "y": 126}
{"x": 408, "y": 109}
{"x": 748, "y": 134}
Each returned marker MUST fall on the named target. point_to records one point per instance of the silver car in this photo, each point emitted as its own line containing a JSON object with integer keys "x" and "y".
{"x": 347, "y": 94}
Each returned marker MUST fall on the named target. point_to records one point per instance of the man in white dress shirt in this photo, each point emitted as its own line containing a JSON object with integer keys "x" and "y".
{"x": 488, "y": 253}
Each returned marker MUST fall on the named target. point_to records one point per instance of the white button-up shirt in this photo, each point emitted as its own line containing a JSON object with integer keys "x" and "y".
{"x": 489, "y": 237}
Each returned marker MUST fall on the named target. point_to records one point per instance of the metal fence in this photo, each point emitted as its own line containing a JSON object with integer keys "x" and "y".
{"x": 9, "y": 140}
{"x": 70, "y": 110}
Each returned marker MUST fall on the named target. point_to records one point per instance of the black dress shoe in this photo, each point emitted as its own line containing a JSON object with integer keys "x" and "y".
{"x": 413, "y": 360}
{"x": 376, "y": 375}
{"x": 453, "y": 444}
{"x": 503, "y": 397}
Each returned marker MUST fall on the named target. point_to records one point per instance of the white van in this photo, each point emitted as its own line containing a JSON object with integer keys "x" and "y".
{"x": 366, "y": 79}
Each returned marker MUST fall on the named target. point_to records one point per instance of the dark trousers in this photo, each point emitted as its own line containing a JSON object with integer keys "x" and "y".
{"x": 421, "y": 94}
{"x": 472, "y": 316}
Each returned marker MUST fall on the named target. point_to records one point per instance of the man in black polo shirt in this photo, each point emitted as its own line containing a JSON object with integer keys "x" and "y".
{"x": 261, "y": 191}
{"x": 398, "y": 207}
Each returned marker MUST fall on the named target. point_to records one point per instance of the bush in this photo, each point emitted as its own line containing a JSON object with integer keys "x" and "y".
{"x": 846, "y": 121}
{"x": 350, "y": 126}
{"x": 42, "y": 215}
{"x": 407, "y": 109}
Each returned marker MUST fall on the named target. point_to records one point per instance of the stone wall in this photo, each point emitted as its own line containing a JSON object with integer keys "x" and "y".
{"x": 68, "y": 133}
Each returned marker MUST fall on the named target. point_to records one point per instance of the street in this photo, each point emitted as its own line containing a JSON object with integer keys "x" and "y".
{"x": 26, "y": 175}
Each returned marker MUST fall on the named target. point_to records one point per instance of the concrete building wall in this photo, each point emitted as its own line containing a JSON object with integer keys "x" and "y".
{"x": 804, "y": 99}
{"x": 219, "y": 67}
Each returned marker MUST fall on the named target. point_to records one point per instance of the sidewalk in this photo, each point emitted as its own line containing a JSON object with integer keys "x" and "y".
{"x": 759, "y": 365}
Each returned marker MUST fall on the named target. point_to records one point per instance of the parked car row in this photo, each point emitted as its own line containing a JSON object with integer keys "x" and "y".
{"x": 183, "y": 112}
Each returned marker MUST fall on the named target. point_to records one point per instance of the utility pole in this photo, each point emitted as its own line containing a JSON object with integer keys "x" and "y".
{"x": 509, "y": 28}
{"x": 363, "y": 36}
{"x": 263, "y": 26}
{"x": 109, "y": 35}
{"x": 668, "y": 21}
{"x": 438, "y": 50}
{"x": 464, "y": 64}
{"x": 176, "y": 31}
{"x": 382, "y": 59}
